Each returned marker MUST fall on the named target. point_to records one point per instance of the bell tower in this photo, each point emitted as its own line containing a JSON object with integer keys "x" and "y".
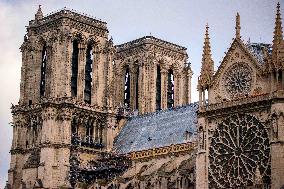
{"x": 65, "y": 108}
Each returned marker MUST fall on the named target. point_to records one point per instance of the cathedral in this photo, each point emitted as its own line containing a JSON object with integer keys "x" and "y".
{"x": 94, "y": 115}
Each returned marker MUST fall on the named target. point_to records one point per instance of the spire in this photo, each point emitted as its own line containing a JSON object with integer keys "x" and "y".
{"x": 238, "y": 26}
{"x": 278, "y": 34}
{"x": 207, "y": 68}
{"x": 39, "y": 14}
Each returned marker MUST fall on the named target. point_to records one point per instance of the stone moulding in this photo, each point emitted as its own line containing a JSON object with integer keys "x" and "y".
{"x": 242, "y": 101}
{"x": 172, "y": 149}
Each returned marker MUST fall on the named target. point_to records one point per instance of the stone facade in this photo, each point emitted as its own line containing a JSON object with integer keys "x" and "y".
{"x": 72, "y": 102}
{"x": 79, "y": 93}
{"x": 240, "y": 118}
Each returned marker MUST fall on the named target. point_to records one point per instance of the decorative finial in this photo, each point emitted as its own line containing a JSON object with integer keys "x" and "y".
{"x": 238, "y": 26}
{"x": 39, "y": 14}
{"x": 207, "y": 67}
{"x": 278, "y": 33}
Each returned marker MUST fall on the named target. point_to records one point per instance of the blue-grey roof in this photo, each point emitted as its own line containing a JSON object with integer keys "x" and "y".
{"x": 158, "y": 129}
{"x": 257, "y": 50}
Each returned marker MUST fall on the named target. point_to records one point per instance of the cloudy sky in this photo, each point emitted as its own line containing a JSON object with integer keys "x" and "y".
{"x": 178, "y": 21}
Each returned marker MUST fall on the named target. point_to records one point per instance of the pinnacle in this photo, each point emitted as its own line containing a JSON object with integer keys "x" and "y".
{"x": 39, "y": 14}
{"x": 238, "y": 26}
{"x": 207, "y": 62}
{"x": 278, "y": 33}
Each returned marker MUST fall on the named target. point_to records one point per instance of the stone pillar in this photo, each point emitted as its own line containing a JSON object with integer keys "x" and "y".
{"x": 277, "y": 147}
{"x": 24, "y": 82}
{"x": 66, "y": 72}
{"x": 101, "y": 71}
{"x": 152, "y": 87}
{"x": 189, "y": 75}
{"x": 272, "y": 82}
{"x": 164, "y": 88}
{"x": 34, "y": 91}
{"x": 141, "y": 89}
{"x": 54, "y": 161}
{"x": 81, "y": 72}
{"x": 132, "y": 86}
{"x": 282, "y": 87}
{"x": 202, "y": 156}
{"x": 95, "y": 76}
{"x": 110, "y": 80}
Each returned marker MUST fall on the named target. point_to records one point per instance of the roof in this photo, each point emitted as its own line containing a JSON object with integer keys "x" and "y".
{"x": 158, "y": 129}
{"x": 150, "y": 40}
{"x": 257, "y": 50}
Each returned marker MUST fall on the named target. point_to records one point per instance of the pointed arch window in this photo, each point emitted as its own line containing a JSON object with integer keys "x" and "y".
{"x": 43, "y": 70}
{"x": 170, "y": 93}
{"x": 127, "y": 87}
{"x": 158, "y": 88}
{"x": 88, "y": 74}
{"x": 74, "y": 76}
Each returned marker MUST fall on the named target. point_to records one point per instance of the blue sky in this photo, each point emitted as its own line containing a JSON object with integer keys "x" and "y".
{"x": 178, "y": 21}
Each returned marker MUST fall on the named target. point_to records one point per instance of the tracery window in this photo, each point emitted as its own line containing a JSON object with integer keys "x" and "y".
{"x": 88, "y": 74}
{"x": 170, "y": 93}
{"x": 43, "y": 70}
{"x": 127, "y": 87}
{"x": 74, "y": 76}
{"x": 89, "y": 132}
{"x": 239, "y": 149}
{"x": 158, "y": 88}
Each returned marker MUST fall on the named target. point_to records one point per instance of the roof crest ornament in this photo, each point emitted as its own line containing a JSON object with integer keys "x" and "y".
{"x": 39, "y": 14}
{"x": 238, "y": 26}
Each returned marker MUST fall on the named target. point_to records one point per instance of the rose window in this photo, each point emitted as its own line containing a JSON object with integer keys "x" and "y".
{"x": 239, "y": 149}
{"x": 238, "y": 80}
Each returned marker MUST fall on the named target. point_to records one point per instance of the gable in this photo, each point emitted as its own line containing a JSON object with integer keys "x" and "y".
{"x": 237, "y": 56}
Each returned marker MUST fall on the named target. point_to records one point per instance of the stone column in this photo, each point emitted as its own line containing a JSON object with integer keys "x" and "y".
{"x": 189, "y": 75}
{"x": 282, "y": 87}
{"x": 110, "y": 80}
{"x": 277, "y": 147}
{"x": 141, "y": 88}
{"x": 81, "y": 72}
{"x": 36, "y": 75}
{"x": 66, "y": 72}
{"x": 152, "y": 87}
{"x": 164, "y": 88}
{"x": 95, "y": 76}
{"x": 132, "y": 87}
{"x": 23, "y": 85}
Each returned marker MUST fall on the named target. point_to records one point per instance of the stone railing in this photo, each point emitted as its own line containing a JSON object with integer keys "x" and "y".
{"x": 242, "y": 101}
{"x": 63, "y": 100}
{"x": 70, "y": 13}
{"x": 236, "y": 102}
{"x": 87, "y": 141}
{"x": 172, "y": 149}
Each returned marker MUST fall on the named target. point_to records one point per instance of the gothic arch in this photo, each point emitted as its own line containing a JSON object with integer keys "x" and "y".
{"x": 80, "y": 37}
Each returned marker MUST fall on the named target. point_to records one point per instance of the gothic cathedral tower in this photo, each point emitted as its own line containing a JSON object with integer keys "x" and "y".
{"x": 64, "y": 101}
{"x": 241, "y": 115}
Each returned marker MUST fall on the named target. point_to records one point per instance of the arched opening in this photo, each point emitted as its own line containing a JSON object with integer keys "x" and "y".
{"x": 127, "y": 87}
{"x": 43, "y": 70}
{"x": 74, "y": 76}
{"x": 88, "y": 74}
{"x": 170, "y": 93}
{"x": 89, "y": 132}
{"x": 158, "y": 88}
